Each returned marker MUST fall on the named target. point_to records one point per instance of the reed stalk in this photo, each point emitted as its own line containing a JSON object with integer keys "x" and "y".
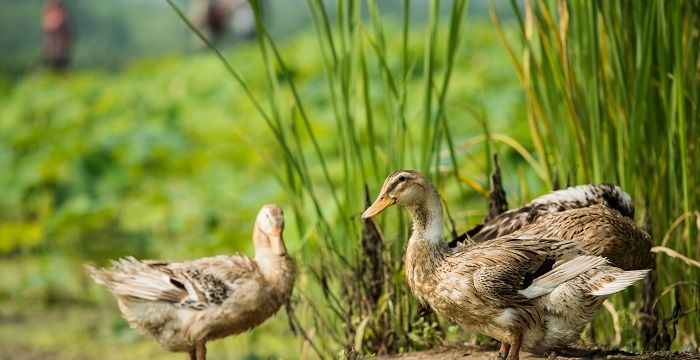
{"x": 612, "y": 89}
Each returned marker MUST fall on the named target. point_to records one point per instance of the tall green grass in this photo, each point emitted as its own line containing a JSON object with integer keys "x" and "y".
{"x": 604, "y": 101}
{"x": 353, "y": 292}
{"x": 612, "y": 90}
{"x": 369, "y": 311}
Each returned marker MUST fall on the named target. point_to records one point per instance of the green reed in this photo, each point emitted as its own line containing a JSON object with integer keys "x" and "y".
{"x": 324, "y": 186}
{"x": 612, "y": 91}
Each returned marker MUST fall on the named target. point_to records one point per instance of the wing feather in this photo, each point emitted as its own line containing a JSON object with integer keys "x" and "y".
{"x": 505, "y": 266}
{"x": 194, "y": 284}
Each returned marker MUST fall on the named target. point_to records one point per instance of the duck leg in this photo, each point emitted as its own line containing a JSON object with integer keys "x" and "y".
{"x": 201, "y": 351}
{"x": 503, "y": 352}
{"x": 193, "y": 354}
{"x": 515, "y": 341}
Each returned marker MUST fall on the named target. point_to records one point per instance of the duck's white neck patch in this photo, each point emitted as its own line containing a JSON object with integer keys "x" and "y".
{"x": 433, "y": 231}
{"x": 428, "y": 223}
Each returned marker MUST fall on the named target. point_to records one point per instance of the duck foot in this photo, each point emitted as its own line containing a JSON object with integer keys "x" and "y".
{"x": 503, "y": 351}
{"x": 201, "y": 352}
{"x": 515, "y": 343}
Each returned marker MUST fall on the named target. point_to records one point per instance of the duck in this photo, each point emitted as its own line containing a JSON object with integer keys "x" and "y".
{"x": 530, "y": 293}
{"x": 183, "y": 305}
{"x": 599, "y": 217}
{"x": 578, "y": 197}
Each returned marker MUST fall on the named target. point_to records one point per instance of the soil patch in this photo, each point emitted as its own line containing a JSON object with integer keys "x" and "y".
{"x": 471, "y": 352}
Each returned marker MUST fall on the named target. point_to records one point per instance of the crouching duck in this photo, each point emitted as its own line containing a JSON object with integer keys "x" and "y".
{"x": 531, "y": 293}
{"x": 598, "y": 217}
{"x": 577, "y": 198}
{"x": 182, "y": 305}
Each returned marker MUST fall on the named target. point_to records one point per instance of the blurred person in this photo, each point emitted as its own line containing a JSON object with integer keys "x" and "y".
{"x": 57, "y": 35}
{"x": 217, "y": 19}
{"x": 211, "y": 17}
{"x": 214, "y": 18}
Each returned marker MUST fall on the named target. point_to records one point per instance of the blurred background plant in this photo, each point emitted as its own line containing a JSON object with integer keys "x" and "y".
{"x": 165, "y": 157}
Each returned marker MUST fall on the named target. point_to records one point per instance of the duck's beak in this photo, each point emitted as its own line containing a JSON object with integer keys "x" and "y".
{"x": 380, "y": 204}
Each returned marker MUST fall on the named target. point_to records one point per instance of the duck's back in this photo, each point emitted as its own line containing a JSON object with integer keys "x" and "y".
{"x": 575, "y": 197}
{"x": 183, "y": 303}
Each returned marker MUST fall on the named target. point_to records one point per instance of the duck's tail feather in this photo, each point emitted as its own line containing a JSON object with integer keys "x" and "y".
{"x": 561, "y": 273}
{"x": 131, "y": 278}
{"x": 620, "y": 280}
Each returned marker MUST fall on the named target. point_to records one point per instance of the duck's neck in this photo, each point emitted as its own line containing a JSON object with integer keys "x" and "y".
{"x": 426, "y": 247}
{"x": 428, "y": 224}
{"x": 278, "y": 272}
{"x": 273, "y": 261}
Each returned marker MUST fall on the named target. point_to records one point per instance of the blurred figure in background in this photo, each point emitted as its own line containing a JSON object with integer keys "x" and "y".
{"x": 213, "y": 18}
{"x": 57, "y": 36}
{"x": 244, "y": 20}
{"x": 217, "y": 18}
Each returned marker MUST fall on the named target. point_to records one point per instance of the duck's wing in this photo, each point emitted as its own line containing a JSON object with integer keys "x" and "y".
{"x": 574, "y": 197}
{"x": 510, "y": 272}
{"x": 193, "y": 284}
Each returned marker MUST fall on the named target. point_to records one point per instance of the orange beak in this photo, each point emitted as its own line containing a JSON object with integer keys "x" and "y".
{"x": 378, "y": 206}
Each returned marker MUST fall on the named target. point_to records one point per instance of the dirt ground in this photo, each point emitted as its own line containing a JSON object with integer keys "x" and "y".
{"x": 464, "y": 352}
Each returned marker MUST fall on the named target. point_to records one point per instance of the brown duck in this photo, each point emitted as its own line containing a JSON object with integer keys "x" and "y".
{"x": 182, "y": 305}
{"x": 597, "y": 217}
{"x": 531, "y": 293}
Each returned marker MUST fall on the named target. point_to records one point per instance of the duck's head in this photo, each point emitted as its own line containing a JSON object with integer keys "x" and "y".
{"x": 268, "y": 229}
{"x": 406, "y": 187}
{"x": 270, "y": 220}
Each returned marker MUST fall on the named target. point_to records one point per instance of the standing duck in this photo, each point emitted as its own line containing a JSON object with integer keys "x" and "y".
{"x": 597, "y": 217}
{"x": 182, "y": 305}
{"x": 531, "y": 293}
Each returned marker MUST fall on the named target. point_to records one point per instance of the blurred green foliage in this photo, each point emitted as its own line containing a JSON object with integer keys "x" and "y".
{"x": 111, "y": 33}
{"x": 168, "y": 159}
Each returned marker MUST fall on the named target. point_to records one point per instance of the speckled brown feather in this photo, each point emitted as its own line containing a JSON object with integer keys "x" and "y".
{"x": 576, "y": 197}
{"x": 597, "y": 217}
{"x": 598, "y": 230}
{"x": 473, "y": 285}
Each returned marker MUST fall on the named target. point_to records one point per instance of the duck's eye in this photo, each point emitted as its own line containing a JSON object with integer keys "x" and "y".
{"x": 402, "y": 178}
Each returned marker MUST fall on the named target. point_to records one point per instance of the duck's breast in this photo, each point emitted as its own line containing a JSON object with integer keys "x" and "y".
{"x": 252, "y": 303}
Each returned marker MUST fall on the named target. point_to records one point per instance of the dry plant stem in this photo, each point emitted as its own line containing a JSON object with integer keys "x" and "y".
{"x": 296, "y": 325}
{"x": 497, "y": 197}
